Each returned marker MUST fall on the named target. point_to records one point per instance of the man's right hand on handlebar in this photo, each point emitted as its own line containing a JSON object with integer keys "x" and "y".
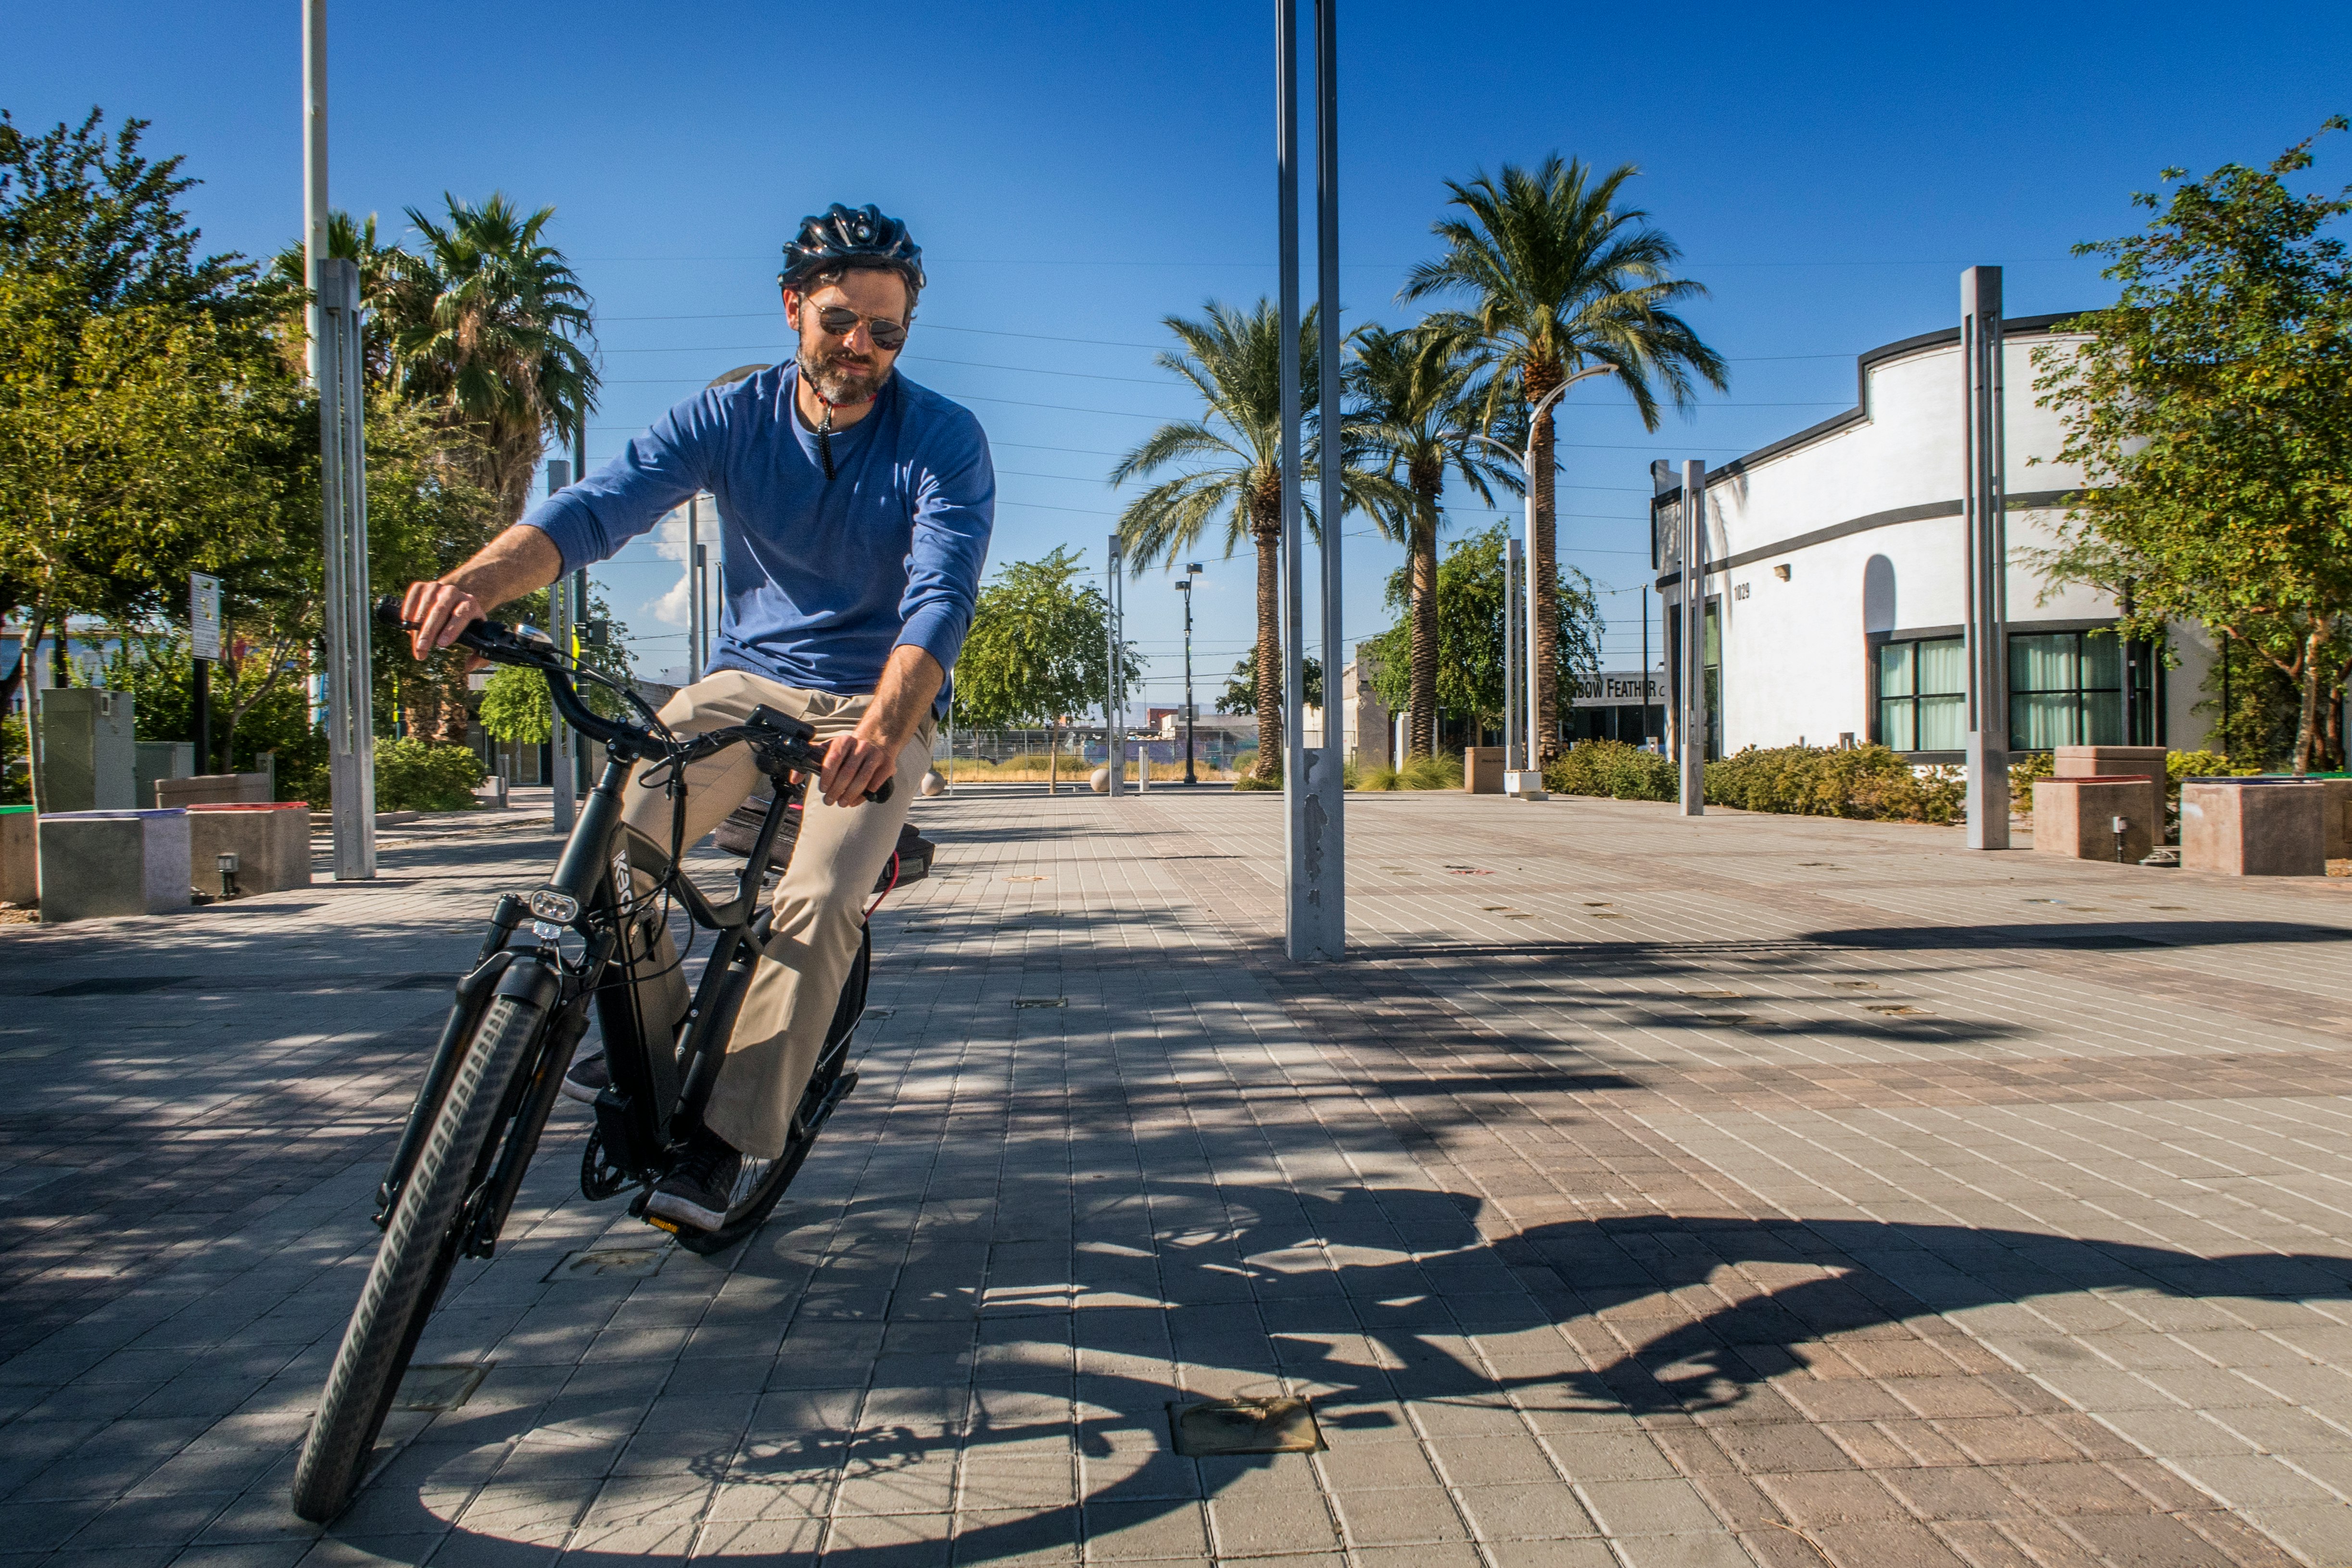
{"x": 439, "y": 612}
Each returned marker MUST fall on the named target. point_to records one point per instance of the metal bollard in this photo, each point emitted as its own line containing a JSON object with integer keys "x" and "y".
{"x": 2121, "y": 823}
{"x": 228, "y": 862}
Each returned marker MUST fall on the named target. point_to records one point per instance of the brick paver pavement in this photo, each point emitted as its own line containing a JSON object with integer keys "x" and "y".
{"x": 1643, "y": 1192}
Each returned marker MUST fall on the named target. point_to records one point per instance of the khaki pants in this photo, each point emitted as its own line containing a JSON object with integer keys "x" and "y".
{"x": 842, "y": 850}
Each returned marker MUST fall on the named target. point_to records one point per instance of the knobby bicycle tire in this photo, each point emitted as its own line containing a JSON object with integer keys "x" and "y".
{"x": 419, "y": 1249}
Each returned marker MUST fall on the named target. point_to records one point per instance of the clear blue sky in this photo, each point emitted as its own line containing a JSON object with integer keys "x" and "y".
{"x": 1077, "y": 172}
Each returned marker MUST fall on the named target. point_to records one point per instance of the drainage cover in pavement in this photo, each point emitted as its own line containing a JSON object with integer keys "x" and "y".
{"x": 1245, "y": 1426}
{"x": 439, "y": 1388}
{"x": 1041, "y": 1001}
{"x": 611, "y": 1263}
{"x": 116, "y": 985}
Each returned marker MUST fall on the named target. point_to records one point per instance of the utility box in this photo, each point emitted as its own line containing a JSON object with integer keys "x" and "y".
{"x": 161, "y": 760}
{"x": 2253, "y": 827}
{"x": 2076, "y": 818}
{"x": 271, "y": 843}
{"x": 96, "y": 864}
{"x": 20, "y": 857}
{"x": 90, "y": 756}
{"x": 1482, "y": 770}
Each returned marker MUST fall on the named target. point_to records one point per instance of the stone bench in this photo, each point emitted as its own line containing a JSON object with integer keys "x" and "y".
{"x": 2076, "y": 818}
{"x": 2254, "y": 828}
{"x": 100, "y": 864}
{"x": 271, "y": 843}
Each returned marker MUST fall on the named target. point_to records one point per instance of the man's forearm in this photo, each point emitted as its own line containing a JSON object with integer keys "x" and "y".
{"x": 903, "y": 696}
{"x": 515, "y": 563}
{"x": 509, "y": 566}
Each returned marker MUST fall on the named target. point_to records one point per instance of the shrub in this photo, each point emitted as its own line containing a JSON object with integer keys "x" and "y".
{"x": 418, "y": 775}
{"x": 1613, "y": 769}
{"x": 1866, "y": 782}
{"x": 1380, "y": 778}
{"x": 1431, "y": 772}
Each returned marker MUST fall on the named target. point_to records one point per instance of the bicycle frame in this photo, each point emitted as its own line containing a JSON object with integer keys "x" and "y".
{"x": 660, "y": 1087}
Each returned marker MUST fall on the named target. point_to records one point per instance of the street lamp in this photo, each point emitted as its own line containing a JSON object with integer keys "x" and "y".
{"x": 1184, "y": 586}
{"x": 1523, "y": 754}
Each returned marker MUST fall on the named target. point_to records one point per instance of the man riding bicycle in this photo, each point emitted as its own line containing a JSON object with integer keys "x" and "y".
{"x": 854, "y": 512}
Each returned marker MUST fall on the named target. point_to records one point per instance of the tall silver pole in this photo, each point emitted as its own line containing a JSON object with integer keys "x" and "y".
{"x": 1512, "y": 733}
{"x": 1692, "y": 725}
{"x": 693, "y": 589}
{"x": 1300, "y": 845}
{"x": 1114, "y": 743}
{"x": 1984, "y": 510}
{"x": 350, "y": 731}
{"x": 314, "y": 161}
{"x": 563, "y": 627}
{"x": 1319, "y": 900}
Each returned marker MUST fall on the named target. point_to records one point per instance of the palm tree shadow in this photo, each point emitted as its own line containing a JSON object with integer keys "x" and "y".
{"x": 1287, "y": 1290}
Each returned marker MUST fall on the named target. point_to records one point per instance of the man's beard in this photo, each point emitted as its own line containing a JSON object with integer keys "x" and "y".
{"x": 840, "y": 385}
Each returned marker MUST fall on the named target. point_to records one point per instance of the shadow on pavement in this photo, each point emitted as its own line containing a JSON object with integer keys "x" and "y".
{"x": 1363, "y": 1298}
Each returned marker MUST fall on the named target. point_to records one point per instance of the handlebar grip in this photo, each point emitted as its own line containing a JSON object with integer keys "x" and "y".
{"x": 387, "y": 613}
{"x": 879, "y": 796}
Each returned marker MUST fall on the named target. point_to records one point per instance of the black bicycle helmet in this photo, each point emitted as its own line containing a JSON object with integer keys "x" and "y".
{"x": 842, "y": 233}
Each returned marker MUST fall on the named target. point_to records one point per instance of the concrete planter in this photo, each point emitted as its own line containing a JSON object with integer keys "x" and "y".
{"x": 100, "y": 864}
{"x": 1482, "y": 770}
{"x": 2253, "y": 827}
{"x": 20, "y": 856}
{"x": 216, "y": 789}
{"x": 271, "y": 843}
{"x": 2076, "y": 818}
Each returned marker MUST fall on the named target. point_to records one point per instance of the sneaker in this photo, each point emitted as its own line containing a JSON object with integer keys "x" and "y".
{"x": 589, "y": 1076}
{"x": 701, "y": 1188}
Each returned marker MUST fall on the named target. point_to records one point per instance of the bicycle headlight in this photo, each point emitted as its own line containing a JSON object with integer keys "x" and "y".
{"x": 551, "y": 905}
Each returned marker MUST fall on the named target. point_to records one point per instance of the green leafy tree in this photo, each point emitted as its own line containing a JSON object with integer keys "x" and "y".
{"x": 1560, "y": 279}
{"x": 1471, "y": 590}
{"x": 1229, "y": 466}
{"x": 1420, "y": 410}
{"x": 1037, "y": 646}
{"x": 2211, "y": 411}
{"x": 494, "y": 329}
{"x": 516, "y": 707}
{"x": 1240, "y": 692}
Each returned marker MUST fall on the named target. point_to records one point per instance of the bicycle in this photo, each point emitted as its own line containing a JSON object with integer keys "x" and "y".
{"x": 520, "y": 1013}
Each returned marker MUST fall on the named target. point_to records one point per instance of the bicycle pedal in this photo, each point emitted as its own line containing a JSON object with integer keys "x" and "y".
{"x": 658, "y": 1223}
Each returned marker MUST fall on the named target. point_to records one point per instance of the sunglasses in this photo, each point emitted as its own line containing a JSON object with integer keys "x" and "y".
{"x": 886, "y": 334}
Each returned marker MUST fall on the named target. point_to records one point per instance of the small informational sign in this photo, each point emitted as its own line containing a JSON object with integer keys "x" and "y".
{"x": 204, "y": 615}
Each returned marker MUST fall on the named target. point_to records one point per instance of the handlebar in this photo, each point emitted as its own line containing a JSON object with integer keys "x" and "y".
{"x": 781, "y": 743}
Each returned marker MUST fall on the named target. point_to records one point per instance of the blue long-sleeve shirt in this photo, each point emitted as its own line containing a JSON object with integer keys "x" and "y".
{"x": 825, "y": 577}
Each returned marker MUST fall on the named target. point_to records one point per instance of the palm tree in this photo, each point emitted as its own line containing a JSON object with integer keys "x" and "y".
{"x": 382, "y": 270}
{"x": 1418, "y": 407}
{"x": 494, "y": 329}
{"x": 1563, "y": 280}
{"x": 1233, "y": 467}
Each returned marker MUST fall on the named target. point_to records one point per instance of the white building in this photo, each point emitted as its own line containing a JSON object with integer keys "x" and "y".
{"x": 1836, "y": 580}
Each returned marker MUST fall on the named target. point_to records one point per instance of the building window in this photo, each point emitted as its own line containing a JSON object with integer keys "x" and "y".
{"x": 1923, "y": 703}
{"x": 2065, "y": 689}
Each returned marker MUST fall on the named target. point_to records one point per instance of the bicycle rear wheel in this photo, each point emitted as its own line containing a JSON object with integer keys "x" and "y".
{"x": 419, "y": 1249}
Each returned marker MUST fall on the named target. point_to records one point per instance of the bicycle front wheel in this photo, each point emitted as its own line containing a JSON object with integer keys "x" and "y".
{"x": 420, "y": 1247}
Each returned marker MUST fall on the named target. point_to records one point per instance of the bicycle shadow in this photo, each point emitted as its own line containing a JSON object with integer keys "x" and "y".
{"x": 1362, "y": 1299}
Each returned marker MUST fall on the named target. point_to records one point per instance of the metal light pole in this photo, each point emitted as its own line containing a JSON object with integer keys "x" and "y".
{"x": 1512, "y": 610}
{"x": 314, "y": 161}
{"x": 1192, "y": 570}
{"x": 1314, "y": 907}
{"x": 1984, "y": 510}
{"x": 693, "y": 593}
{"x": 561, "y": 622}
{"x": 1690, "y": 723}
{"x": 1114, "y": 731}
{"x": 1523, "y": 756}
{"x": 350, "y": 720}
